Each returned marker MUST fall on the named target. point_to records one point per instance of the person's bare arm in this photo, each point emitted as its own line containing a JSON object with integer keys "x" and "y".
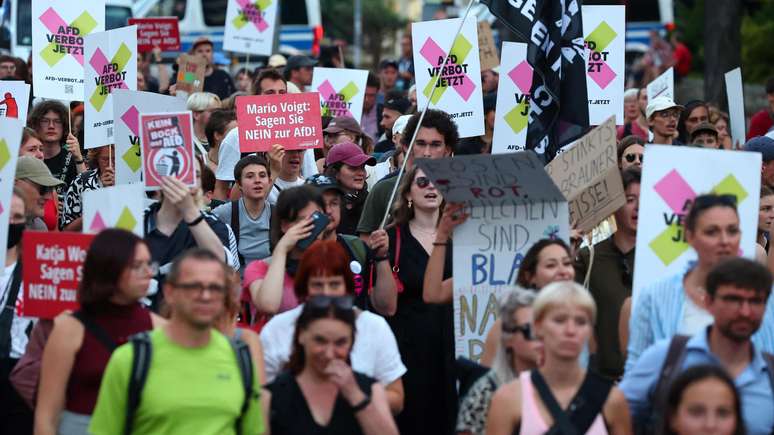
{"x": 385, "y": 293}
{"x": 266, "y": 404}
{"x": 623, "y": 325}
{"x": 504, "y": 410}
{"x": 616, "y": 412}
{"x": 376, "y": 419}
{"x": 395, "y": 396}
{"x": 435, "y": 289}
{"x": 491, "y": 343}
{"x": 256, "y": 352}
{"x": 180, "y": 196}
{"x": 56, "y": 366}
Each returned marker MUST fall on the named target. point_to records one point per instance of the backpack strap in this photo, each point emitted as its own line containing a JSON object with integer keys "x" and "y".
{"x": 769, "y": 359}
{"x": 95, "y": 330}
{"x": 562, "y": 422}
{"x": 672, "y": 363}
{"x": 235, "y": 228}
{"x": 141, "y": 359}
{"x": 8, "y": 311}
{"x": 245, "y": 365}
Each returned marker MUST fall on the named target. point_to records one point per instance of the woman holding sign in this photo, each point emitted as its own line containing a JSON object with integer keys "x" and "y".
{"x": 116, "y": 274}
{"x": 424, "y": 331}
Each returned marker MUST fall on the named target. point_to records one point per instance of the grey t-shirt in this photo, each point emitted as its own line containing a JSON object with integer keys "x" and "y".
{"x": 253, "y": 233}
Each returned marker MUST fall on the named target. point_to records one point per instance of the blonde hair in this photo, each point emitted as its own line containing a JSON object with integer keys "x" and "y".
{"x": 201, "y": 101}
{"x": 563, "y": 293}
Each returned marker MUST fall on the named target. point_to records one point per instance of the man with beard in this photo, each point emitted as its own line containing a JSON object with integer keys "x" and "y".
{"x": 662, "y": 114}
{"x": 736, "y": 296}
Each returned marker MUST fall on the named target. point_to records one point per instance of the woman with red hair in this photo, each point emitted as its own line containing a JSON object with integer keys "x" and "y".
{"x": 324, "y": 270}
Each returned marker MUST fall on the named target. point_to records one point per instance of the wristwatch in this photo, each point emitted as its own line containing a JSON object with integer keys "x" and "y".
{"x": 362, "y": 405}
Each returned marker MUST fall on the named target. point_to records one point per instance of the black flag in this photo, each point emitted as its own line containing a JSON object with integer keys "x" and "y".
{"x": 553, "y": 31}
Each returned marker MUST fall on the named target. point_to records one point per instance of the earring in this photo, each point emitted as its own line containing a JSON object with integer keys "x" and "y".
{"x": 410, "y": 203}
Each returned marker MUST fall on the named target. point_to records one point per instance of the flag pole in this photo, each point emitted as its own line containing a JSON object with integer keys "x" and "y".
{"x": 421, "y": 117}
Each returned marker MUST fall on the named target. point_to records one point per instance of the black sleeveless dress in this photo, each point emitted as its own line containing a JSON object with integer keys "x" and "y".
{"x": 290, "y": 414}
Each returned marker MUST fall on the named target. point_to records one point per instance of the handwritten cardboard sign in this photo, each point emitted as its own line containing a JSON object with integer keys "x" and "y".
{"x": 588, "y": 176}
{"x": 512, "y": 204}
{"x": 662, "y": 86}
{"x": 291, "y": 120}
{"x": 167, "y": 148}
{"x": 52, "y": 271}
{"x": 162, "y": 32}
{"x": 190, "y": 75}
{"x": 487, "y": 50}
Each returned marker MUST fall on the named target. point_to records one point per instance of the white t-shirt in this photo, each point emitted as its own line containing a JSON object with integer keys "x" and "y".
{"x": 229, "y": 155}
{"x": 695, "y": 319}
{"x": 19, "y": 324}
{"x": 280, "y": 185}
{"x": 375, "y": 352}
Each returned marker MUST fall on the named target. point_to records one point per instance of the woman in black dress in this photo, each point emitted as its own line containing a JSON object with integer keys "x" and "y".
{"x": 319, "y": 393}
{"x": 424, "y": 331}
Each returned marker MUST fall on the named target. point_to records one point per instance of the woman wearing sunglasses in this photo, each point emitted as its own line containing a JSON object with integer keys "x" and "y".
{"x": 325, "y": 270}
{"x": 424, "y": 331}
{"x": 675, "y": 305}
{"x": 630, "y": 151}
{"x": 517, "y": 351}
{"x": 560, "y": 394}
{"x": 320, "y": 393}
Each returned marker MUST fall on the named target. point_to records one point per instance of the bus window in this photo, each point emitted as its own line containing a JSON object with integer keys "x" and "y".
{"x": 116, "y": 16}
{"x": 294, "y": 12}
{"x": 168, "y": 8}
{"x": 24, "y": 15}
{"x": 214, "y": 12}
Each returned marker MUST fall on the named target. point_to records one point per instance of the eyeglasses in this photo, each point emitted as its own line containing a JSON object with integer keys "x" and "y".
{"x": 422, "y": 182}
{"x": 199, "y": 288}
{"x": 49, "y": 121}
{"x": 738, "y": 301}
{"x": 669, "y": 114}
{"x": 632, "y": 157}
{"x": 150, "y": 266}
{"x": 322, "y": 302}
{"x": 525, "y": 329}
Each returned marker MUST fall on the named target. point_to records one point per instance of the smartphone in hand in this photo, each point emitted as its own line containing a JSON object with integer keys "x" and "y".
{"x": 320, "y": 221}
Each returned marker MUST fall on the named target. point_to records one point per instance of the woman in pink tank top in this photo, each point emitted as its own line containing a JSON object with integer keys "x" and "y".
{"x": 563, "y": 317}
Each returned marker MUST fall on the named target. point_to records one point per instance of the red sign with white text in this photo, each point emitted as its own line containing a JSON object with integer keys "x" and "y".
{"x": 290, "y": 120}
{"x": 167, "y": 148}
{"x": 162, "y": 32}
{"x": 52, "y": 270}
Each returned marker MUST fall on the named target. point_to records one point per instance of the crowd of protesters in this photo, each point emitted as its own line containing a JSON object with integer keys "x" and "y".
{"x": 238, "y": 312}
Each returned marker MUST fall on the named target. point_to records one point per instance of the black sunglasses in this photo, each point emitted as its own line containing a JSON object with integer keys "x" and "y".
{"x": 525, "y": 329}
{"x": 323, "y": 302}
{"x": 422, "y": 182}
{"x": 632, "y": 157}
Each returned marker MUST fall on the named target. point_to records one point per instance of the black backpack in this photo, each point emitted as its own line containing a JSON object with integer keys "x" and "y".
{"x": 142, "y": 347}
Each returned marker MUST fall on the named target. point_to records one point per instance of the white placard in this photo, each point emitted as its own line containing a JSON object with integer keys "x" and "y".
{"x": 604, "y": 29}
{"x": 512, "y": 204}
{"x": 118, "y": 206}
{"x": 58, "y": 31}
{"x": 458, "y": 91}
{"x": 10, "y": 140}
{"x": 14, "y": 99}
{"x": 127, "y": 107}
{"x": 662, "y": 86}
{"x": 735, "y": 94}
{"x": 342, "y": 91}
{"x": 513, "y": 95}
{"x": 111, "y": 63}
{"x": 250, "y": 26}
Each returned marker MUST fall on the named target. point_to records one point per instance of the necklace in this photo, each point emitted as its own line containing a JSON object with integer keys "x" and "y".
{"x": 420, "y": 231}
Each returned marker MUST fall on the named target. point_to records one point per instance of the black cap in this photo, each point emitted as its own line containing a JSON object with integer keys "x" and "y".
{"x": 300, "y": 61}
{"x": 399, "y": 104}
{"x": 388, "y": 62}
{"x": 763, "y": 145}
{"x": 324, "y": 183}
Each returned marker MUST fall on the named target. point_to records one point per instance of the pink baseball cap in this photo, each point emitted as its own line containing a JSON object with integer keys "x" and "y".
{"x": 350, "y": 154}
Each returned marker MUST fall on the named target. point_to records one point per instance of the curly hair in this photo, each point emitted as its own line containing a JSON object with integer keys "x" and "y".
{"x": 40, "y": 110}
{"x": 436, "y": 119}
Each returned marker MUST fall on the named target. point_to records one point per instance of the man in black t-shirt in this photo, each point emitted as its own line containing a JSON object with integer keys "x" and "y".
{"x": 216, "y": 80}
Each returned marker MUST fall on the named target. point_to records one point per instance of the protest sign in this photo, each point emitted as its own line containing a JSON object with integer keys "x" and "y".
{"x": 290, "y": 120}
{"x": 604, "y": 29}
{"x": 10, "y": 139}
{"x": 512, "y": 204}
{"x": 112, "y": 64}
{"x": 58, "y": 31}
{"x": 15, "y": 99}
{"x": 662, "y": 86}
{"x": 119, "y": 206}
{"x": 513, "y": 95}
{"x": 127, "y": 107}
{"x": 167, "y": 148}
{"x": 735, "y": 94}
{"x": 250, "y": 26}
{"x": 487, "y": 50}
{"x": 52, "y": 270}
{"x": 671, "y": 179}
{"x": 458, "y": 90}
{"x": 190, "y": 75}
{"x": 161, "y": 32}
{"x": 341, "y": 91}
{"x": 588, "y": 176}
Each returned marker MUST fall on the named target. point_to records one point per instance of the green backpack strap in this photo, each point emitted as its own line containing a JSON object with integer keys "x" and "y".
{"x": 245, "y": 365}
{"x": 141, "y": 359}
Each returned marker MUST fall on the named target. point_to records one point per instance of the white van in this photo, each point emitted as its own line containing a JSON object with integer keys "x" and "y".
{"x": 16, "y": 33}
{"x": 300, "y": 30}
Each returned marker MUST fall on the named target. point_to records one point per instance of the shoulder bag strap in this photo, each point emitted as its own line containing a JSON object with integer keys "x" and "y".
{"x": 672, "y": 362}
{"x": 245, "y": 365}
{"x": 235, "y": 228}
{"x": 589, "y": 401}
{"x": 95, "y": 330}
{"x": 562, "y": 424}
{"x": 141, "y": 359}
{"x": 9, "y": 309}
